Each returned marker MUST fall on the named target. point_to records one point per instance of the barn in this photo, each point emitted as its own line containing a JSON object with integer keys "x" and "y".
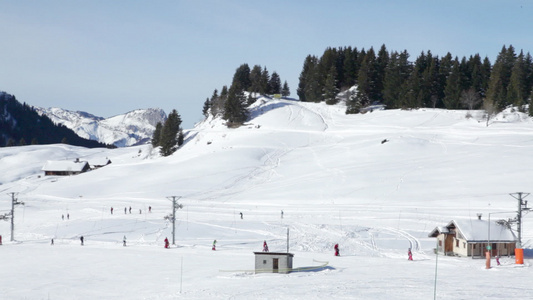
{"x": 473, "y": 238}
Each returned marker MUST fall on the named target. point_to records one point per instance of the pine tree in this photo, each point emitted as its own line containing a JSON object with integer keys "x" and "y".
{"x": 265, "y": 79}
{"x": 349, "y": 67}
{"x": 181, "y": 138}
{"x": 516, "y": 90}
{"x": 156, "y": 136}
{"x": 330, "y": 88}
{"x": 381, "y": 65}
{"x": 205, "y": 109}
{"x": 217, "y": 102}
{"x": 452, "y": 91}
{"x": 169, "y": 134}
{"x": 355, "y": 101}
{"x": 242, "y": 76}
{"x": 255, "y": 80}
{"x": 396, "y": 74}
{"x": 313, "y": 88}
{"x": 531, "y": 104}
{"x": 366, "y": 79}
{"x": 500, "y": 77}
{"x": 235, "y": 112}
{"x": 274, "y": 83}
{"x": 305, "y": 76}
{"x": 285, "y": 91}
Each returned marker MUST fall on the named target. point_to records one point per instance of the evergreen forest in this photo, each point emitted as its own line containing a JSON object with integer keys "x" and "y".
{"x": 392, "y": 79}
{"x": 389, "y": 78}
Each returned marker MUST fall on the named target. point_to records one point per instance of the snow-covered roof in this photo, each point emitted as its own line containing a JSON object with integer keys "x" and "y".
{"x": 64, "y": 165}
{"x": 99, "y": 161}
{"x": 478, "y": 231}
{"x": 438, "y": 230}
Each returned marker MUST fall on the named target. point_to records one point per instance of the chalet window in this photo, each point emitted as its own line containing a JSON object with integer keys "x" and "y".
{"x": 264, "y": 262}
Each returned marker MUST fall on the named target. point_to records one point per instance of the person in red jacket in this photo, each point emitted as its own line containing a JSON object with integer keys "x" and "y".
{"x": 336, "y": 250}
{"x": 166, "y": 243}
{"x": 265, "y": 246}
{"x": 409, "y": 254}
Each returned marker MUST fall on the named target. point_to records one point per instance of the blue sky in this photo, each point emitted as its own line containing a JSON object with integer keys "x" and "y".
{"x": 110, "y": 57}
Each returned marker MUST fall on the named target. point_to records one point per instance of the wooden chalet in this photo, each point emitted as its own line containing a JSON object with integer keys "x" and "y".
{"x": 65, "y": 168}
{"x": 472, "y": 238}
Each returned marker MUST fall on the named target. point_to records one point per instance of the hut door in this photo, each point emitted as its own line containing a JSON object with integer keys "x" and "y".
{"x": 275, "y": 263}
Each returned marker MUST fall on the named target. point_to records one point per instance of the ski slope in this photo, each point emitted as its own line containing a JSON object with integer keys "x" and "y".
{"x": 330, "y": 173}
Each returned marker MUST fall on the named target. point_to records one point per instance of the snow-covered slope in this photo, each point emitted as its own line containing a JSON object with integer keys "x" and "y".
{"x": 331, "y": 174}
{"x": 133, "y": 128}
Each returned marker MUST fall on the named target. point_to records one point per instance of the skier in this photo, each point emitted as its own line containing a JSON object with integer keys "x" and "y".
{"x": 282, "y": 214}
{"x": 149, "y": 209}
{"x": 166, "y": 243}
{"x": 497, "y": 260}
{"x": 111, "y": 210}
{"x": 52, "y": 242}
{"x": 130, "y": 209}
{"x": 68, "y": 216}
{"x": 241, "y": 214}
{"x": 336, "y": 247}
{"x": 62, "y": 217}
{"x": 124, "y": 241}
{"x": 265, "y": 246}
{"x": 81, "y": 239}
{"x": 410, "y": 254}
{"x": 0, "y": 240}
{"x": 125, "y": 209}
{"x": 214, "y": 245}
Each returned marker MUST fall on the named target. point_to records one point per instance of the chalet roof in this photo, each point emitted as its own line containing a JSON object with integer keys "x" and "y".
{"x": 65, "y": 165}
{"x": 477, "y": 231}
{"x": 99, "y": 161}
{"x": 438, "y": 230}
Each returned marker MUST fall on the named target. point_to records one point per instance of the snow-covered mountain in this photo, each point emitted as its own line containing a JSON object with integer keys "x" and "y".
{"x": 332, "y": 175}
{"x": 133, "y": 128}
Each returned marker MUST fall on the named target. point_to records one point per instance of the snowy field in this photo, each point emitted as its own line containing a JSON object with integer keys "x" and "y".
{"x": 330, "y": 174}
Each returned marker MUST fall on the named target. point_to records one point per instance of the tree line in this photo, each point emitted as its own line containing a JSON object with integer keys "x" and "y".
{"x": 247, "y": 85}
{"x": 390, "y": 78}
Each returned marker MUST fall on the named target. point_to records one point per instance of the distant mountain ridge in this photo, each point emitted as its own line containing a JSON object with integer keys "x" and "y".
{"x": 21, "y": 125}
{"x": 132, "y": 128}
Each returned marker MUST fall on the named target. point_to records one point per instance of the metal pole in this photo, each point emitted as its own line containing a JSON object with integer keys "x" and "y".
{"x": 287, "y": 239}
{"x": 436, "y": 268}
{"x": 519, "y": 219}
{"x": 173, "y": 220}
{"x": 174, "y": 206}
{"x": 519, "y": 216}
{"x": 12, "y": 216}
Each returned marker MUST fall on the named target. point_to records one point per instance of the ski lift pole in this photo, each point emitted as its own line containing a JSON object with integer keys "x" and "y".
{"x": 14, "y": 201}
{"x": 174, "y": 206}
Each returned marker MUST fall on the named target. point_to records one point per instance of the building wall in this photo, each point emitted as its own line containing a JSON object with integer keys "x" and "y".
{"x": 264, "y": 263}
